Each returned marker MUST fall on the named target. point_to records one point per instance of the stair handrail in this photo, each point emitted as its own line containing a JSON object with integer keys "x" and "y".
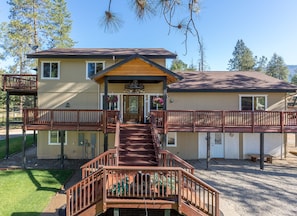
{"x": 156, "y": 141}
{"x": 167, "y": 184}
{"x": 107, "y": 158}
{"x": 168, "y": 159}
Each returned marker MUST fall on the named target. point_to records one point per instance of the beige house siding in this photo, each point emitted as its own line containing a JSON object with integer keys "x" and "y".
{"x": 187, "y": 145}
{"x": 72, "y": 148}
{"x": 219, "y": 101}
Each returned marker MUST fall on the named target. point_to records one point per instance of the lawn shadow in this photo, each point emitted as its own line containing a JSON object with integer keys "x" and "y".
{"x": 60, "y": 176}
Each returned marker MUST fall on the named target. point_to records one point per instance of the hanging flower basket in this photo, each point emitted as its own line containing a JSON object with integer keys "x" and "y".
{"x": 158, "y": 101}
{"x": 112, "y": 99}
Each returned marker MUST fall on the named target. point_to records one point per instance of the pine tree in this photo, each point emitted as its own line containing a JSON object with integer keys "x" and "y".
{"x": 32, "y": 25}
{"x": 243, "y": 59}
{"x": 277, "y": 68}
{"x": 178, "y": 64}
{"x": 59, "y": 25}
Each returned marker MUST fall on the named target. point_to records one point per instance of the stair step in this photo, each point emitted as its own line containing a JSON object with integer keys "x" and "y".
{"x": 136, "y": 146}
{"x": 138, "y": 163}
{"x": 135, "y": 154}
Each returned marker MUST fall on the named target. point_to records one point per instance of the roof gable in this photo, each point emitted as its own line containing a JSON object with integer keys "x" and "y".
{"x": 137, "y": 65}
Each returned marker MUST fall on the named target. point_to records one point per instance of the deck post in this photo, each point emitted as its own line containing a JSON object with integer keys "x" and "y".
{"x": 62, "y": 135}
{"x": 116, "y": 212}
{"x": 105, "y": 141}
{"x": 7, "y": 125}
{"x": 24, "y": 149}
{"x": 261, "y": 151}
{"x": 167, "y": 212}
{"x": 208, "y": 149}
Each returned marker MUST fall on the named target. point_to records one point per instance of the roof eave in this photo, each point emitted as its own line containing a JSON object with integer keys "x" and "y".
{"x": 96, "y": 56}
{"x": 233, "y": 90}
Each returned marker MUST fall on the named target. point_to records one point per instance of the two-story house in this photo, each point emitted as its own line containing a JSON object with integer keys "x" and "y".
{"x": 131, "y": 80}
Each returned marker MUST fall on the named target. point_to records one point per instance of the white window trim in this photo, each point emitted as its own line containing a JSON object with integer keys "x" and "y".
{"x": 109, "y": 94}
{"x": 103, "y": 63}
{"x": 50, "y": 78}
{"x": 252, "y": 95}
{"x": 175, "y": 139}
{"x": 49, "y": 139}
{"x": 153, "y": 95}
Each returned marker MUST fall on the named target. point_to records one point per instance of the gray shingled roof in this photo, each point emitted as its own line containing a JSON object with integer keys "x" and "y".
{"x": 102, "y": 53}
{"x": 229, "y": 81}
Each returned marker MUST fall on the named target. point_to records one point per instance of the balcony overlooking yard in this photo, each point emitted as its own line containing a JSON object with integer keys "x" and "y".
{"x": 165, "y": 120}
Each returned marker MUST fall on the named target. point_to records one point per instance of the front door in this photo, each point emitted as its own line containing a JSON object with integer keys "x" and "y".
{"x": 216, "y": 145}
{"x": 133, "y": 109}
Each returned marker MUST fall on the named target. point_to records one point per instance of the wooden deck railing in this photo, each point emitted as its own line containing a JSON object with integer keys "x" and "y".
{"x": 19, "y": 82}
{"x": 225, "y": 121}
{"x": 107, "y": 158}
{"x": 68, "y": 119}
{"x": 168, "y": 159}
{"x": 142, "y": 187}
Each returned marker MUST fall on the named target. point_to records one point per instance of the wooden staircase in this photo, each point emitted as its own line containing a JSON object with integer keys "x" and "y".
{"x": 136, "y": 174}
{"x": 136, "y": 146}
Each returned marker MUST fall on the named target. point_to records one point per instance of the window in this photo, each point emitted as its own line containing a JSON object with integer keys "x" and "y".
{"x": 94, "y": 68}
{"x": 156, "y": 102}
{"x": 253, "y": 102}
{"x": 50, "y": 70}
{"x": 171, "y": 139}
{"x": 54, "y": 138}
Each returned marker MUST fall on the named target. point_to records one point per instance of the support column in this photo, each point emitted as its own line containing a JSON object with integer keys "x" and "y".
{"x": 116, "y": 212}
{"x": 105, "y": 107}
{"x": 167, "y": 212}
{"x": 34, "y": 134}
{"x": 165, "y": 94}
{"x": 24, "y": 149}
{"x": 62, "y": 138}
{"x": 207, "y": 149}
{"x": 105, "y": 142}
{"x": 261, "y": 151}
{"x": 7, "y": 125}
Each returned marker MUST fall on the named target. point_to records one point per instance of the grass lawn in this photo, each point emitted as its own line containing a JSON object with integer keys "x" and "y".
{"x": 28, "y": 192}
{"x": 15, "y": 145}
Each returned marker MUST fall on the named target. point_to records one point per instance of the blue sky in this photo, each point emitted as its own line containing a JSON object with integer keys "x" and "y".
{"x": 265, "y": 26}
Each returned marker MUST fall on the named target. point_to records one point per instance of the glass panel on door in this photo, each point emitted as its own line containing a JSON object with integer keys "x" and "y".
{"x": 133, "y": 109}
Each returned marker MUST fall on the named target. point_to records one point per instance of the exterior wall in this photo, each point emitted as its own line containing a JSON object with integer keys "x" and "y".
{"x": 273, "y": 144}
{"x": 220, "y": 101}
{"x": 72, "y": 149}
{"x": 187, "y": 147}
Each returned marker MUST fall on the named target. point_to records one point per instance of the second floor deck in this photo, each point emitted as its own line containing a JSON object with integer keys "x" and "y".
{"x": 165, "y": 120}
{"x": 20, "y": 84}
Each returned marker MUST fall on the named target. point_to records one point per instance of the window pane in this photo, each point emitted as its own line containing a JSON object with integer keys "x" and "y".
{"x": 246, "y": 103}
{"x": 171, "y": 139}
{"x": 54, "y": 72}
{"x": 53, "y": 136}
{"x": 46, "y": 69}
{"x": 91, "y": 69}
{"x": 218, "y": 138}
{"x": 259, "y": 103}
